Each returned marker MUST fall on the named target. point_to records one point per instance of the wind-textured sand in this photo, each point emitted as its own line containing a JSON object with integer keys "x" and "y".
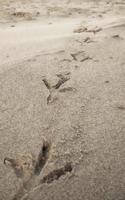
{"x": 62, "y": 100}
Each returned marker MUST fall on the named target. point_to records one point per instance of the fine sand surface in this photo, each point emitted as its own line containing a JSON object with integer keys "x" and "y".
{"x": 62, "y": 100}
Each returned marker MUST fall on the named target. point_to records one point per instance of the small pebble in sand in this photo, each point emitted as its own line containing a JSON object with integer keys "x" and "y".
{"x": 107, "y": 81}
{"x": 12, "y": 25}
{"x": 121, "y": 107}
{"x": 117, "y": 36}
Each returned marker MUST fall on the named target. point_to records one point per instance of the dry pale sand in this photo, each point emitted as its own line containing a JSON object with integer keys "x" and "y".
{"x": 62, "y": 80}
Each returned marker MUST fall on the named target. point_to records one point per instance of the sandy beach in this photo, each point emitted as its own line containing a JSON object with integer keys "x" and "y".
{"x": 62, "y": 100}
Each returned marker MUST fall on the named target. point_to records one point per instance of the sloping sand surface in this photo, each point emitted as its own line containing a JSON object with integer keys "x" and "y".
{"x": 62, "y": 91}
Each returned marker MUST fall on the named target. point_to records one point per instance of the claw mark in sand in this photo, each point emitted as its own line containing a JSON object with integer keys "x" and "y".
{"x": 76, "y": 57}
{"x": 56, "y": 174}
{"x": 62, "y": 80}
{"x": 26, "y": 167}
{"x": 66, "y": 60}
{"x": 86, "y": 40}
{"x": 86, "y": 58}
{"x": 52, "y": 88}
{"x": 68, "y": 89}
{"x": 85, "y": 29}
{"x": 23, "y": 166}
{"x": 27, "y": 164}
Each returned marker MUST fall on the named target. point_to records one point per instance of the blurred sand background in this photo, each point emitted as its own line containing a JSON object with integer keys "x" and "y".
{"x": 85, "y": 119}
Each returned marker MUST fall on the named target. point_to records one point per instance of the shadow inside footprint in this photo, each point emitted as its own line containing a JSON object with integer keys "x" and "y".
{"x": 42, "y": 158}
{"x": 56, "y": 174}
{"x": 68, "y": 89}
